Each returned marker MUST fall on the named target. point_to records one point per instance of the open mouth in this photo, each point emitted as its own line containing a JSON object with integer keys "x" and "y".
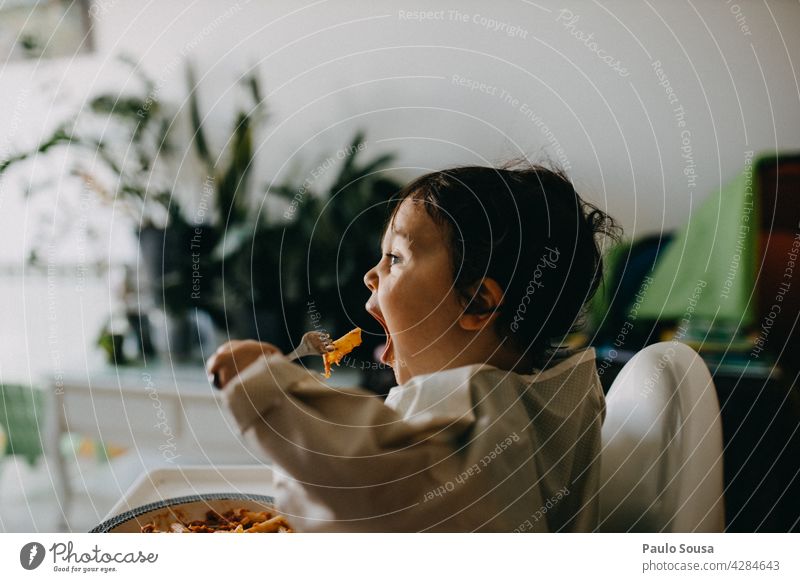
{"x": 387, "y": 357}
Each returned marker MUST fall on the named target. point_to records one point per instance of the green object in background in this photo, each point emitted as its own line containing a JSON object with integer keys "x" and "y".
{"x": 3, "y": 441}
{"x": 22, "y": 415}
{"x": 601, "y": 302}
{"x": 708, "y": 271}
{"x": 112, "y": 344}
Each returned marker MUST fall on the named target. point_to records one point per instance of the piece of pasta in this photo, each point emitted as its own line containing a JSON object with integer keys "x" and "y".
{"x": 341, "y": 347}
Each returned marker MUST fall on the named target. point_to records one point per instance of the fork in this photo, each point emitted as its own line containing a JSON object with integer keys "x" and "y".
{"x": 313, "y": 343}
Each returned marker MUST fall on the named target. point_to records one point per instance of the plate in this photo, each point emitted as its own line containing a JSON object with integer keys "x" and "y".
{"x": 185, "y": 509}
{"x": 168, "y": 482}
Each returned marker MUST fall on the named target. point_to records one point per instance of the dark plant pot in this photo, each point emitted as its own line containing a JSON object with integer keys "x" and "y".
{"x": 165, "y": 254}
{"x": 179, "y": 334}
{"x": 191, "y": 337}
{"x": 165, "y": 279}
{"x": 150, "y": 275}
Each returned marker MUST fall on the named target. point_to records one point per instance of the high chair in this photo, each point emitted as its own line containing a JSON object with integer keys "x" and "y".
{"x": 661, "y": 461}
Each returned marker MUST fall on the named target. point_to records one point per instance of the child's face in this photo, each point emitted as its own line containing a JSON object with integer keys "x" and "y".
{"x": 413, "y": 295}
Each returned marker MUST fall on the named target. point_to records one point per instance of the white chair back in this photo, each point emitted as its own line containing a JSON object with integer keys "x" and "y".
{"x": 661, "y": 464}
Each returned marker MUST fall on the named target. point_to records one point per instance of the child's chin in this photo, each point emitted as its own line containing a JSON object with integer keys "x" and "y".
{"x": 400, "y": 371}
{"x": 387, "y": 357}
{"x": 399, "y": 376}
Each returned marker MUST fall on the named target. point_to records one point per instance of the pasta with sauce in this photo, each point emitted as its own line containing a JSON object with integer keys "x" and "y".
{"x": 237, "y": 520}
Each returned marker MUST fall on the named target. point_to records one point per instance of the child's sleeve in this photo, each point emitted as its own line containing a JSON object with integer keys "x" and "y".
{"x": 337, "y": 437}
{"x": 451, "y": 461}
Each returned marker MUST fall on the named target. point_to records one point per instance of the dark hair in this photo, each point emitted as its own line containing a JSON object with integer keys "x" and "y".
{"x": 524, "y": 226}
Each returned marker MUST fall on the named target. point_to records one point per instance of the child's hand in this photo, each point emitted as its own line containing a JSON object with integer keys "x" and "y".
{"x": 233, "y": 357}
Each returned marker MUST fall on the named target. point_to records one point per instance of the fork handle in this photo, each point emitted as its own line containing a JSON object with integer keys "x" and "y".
{"x": 299, "y": 352}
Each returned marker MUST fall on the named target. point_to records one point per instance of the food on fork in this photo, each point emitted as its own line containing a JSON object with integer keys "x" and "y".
{"x": 341, "y": 347}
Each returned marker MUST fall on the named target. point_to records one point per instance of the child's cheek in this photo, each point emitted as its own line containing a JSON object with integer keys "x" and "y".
{"x": 388, "y": 297}
{"x": 400, "y": 303}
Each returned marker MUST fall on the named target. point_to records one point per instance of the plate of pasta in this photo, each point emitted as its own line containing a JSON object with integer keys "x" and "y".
{"x": 206, "y": 513}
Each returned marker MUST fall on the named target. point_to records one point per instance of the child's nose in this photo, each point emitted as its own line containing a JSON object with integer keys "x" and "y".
{"x": 370, "y": 279}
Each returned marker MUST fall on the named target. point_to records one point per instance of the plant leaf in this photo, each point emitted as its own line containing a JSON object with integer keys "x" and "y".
{"x": 234, "y": 239}
{"x": 350, "y": 159}
{"x": 59, "y": 137}
{"x": 199, "y": 138}
{"x": 235, "y": 180}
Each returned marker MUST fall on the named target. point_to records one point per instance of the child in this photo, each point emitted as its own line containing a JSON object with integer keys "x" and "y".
{"x": 483, "y": 272}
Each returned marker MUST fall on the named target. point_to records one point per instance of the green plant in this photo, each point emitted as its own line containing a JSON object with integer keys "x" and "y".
{"x": 250, "y": 264}
{"x": 332, "y": 240}
{"x": 120, "y": 146}
{"x": 115, "y": 145}
{"x": 111, "y": 344}
{"x": 230, "y": 170}
{"x": 232, "y": 226}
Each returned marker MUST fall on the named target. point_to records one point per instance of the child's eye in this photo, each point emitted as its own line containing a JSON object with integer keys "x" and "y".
{"x": 393, "y": 259}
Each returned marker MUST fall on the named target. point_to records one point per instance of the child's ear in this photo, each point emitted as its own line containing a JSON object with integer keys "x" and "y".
{"x": 482, "y": 310}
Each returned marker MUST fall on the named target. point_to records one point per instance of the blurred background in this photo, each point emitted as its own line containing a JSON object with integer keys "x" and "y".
{"x": 175, "y": 175}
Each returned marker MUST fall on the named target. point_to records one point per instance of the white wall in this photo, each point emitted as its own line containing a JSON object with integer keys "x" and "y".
{"x": 332, "y": 67}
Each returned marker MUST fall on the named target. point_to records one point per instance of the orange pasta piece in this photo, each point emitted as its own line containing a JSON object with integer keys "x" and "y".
{"x": 342, "y": 346}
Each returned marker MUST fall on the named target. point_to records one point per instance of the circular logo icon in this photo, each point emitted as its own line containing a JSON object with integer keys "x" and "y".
{"x": 31, "y": 555}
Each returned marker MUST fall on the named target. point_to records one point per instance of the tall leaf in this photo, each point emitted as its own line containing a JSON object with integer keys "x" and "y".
{"x": 232, "y": 191}
{"x": 199, "y": 138}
